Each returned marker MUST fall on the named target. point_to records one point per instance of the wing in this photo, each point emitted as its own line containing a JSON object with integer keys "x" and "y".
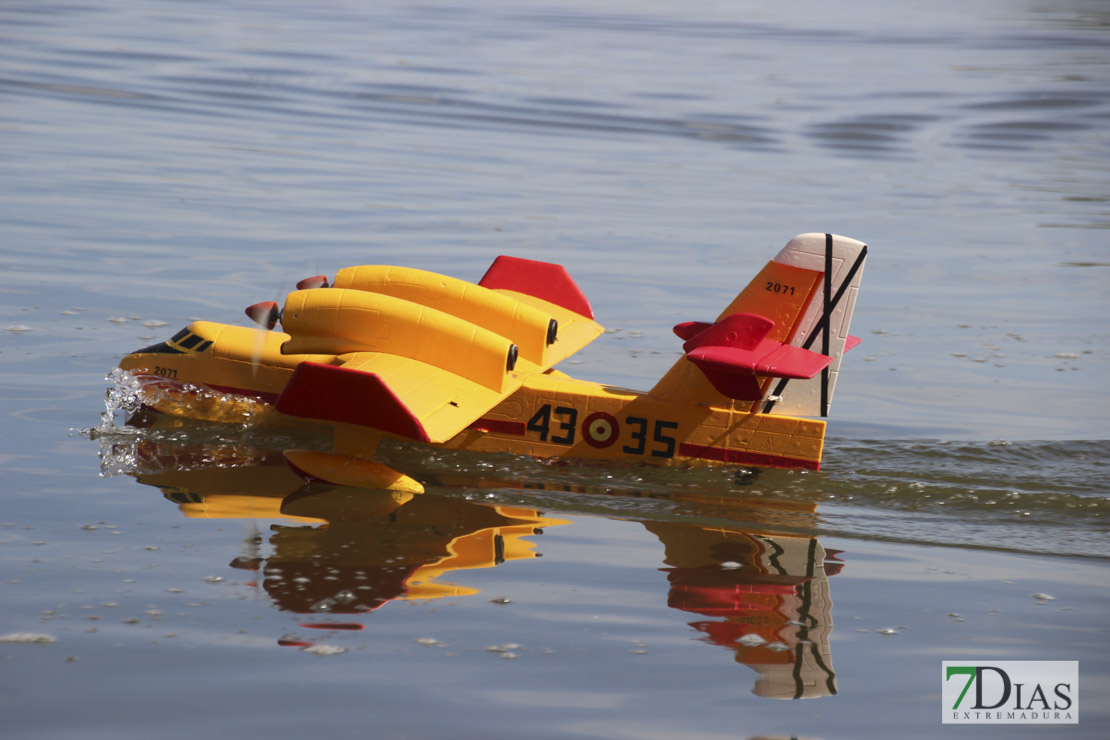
{"x": 398, "y": 395}
{"x": 549, "y": 288}
{"x": 421, "y": 355}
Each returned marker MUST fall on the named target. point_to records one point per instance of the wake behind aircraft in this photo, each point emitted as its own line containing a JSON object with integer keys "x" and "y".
{"x": 393, "y": 352}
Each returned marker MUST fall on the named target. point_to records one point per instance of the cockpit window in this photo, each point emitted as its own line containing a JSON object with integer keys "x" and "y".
{"x": 184, "y": 340}
{"x": 162, "y": 348}
{"x": 190, "y": 341}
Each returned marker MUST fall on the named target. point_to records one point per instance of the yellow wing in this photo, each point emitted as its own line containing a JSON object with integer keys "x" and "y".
{"x": 421, "y": 355}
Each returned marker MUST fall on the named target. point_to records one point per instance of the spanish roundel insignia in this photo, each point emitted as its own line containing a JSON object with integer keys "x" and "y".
{"x": 601, "y": 429}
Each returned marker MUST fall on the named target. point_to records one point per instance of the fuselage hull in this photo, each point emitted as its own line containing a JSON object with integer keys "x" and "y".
{"x": 225, "y": 373}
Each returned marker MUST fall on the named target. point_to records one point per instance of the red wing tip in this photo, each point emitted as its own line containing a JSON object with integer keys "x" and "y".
{"x": 331, "y": 393}
{"x": 851, "y": 342}
{"x": 544, "y": 280}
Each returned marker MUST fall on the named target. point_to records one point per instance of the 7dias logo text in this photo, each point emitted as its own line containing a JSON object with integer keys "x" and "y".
{"x": 1010, "y": 692}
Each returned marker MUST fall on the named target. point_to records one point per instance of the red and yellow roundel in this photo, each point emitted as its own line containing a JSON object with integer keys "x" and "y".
{"x": 600, "y": 429}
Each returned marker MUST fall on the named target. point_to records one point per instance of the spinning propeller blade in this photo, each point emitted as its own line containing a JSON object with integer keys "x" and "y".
{"x": 316, "y": 281}
{"x": 265, "y": 314}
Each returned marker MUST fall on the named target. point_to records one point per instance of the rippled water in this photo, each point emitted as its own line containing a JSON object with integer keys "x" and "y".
{"x": 1033, "y": 497}
{"x": 165, "y": 161}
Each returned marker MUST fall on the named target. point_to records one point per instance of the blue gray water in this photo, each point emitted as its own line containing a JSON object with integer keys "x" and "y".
{"x": 166, "y": 161}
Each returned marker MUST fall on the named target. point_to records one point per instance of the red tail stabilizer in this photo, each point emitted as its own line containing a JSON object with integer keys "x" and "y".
{"x": 739, "y": 330}
{"x": 732, "y": 352}
{"x": 808, "y": 290}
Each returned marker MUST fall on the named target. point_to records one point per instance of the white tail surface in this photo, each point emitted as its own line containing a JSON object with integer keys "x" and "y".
{"x": 823, "y": 326}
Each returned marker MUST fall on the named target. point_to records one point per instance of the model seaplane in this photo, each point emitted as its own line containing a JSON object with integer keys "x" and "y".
{"x": 392, "y": 352}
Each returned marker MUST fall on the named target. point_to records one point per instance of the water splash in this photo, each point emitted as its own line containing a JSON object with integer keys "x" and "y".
{"x": 119, "y": 443}
{"x": 128, "y": 394}
{"x": 149, "y": 425}
{"x": 117, "y": 447}
{"x": 123, "y": 396}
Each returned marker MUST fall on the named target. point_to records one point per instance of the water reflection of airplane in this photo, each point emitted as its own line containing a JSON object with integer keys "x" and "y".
{"x": 762, "y": 595}
{"x": 765, "y": 597}
{"x": 340, "y": 550}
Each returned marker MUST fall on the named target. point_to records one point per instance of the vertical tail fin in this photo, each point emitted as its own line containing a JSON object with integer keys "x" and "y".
{"x": 808, "y": 292}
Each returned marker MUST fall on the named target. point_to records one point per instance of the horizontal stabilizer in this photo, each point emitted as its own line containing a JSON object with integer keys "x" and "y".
{"x": 808, "y": 291}
{"x": 769, "y": 358}
{"x": 739, "y": 330}
{"x": 544, "y": 280}
{"x": 732, "y": 352}
{"x": 340, "y": 394}
{"x": 687, "y": 330}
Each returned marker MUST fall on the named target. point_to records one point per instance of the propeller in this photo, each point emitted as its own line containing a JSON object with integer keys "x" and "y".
{"x": 265, "y": 314}
{"x": 316, "y": 281}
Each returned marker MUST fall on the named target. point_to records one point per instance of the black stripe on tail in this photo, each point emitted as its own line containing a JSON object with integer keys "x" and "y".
{"x": 822, "y": 325}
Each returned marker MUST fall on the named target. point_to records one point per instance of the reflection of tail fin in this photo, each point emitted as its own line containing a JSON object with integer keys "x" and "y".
{"x": 810, "y": 673}
{"x": 806, "y": 294}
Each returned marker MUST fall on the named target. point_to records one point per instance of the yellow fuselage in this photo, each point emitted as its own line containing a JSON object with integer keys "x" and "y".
{"x": 226, "y": 373}
{"x": 554, "y": 415}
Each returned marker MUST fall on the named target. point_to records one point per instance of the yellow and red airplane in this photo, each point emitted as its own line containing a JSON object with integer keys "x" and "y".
{"x": 388, "y": 352}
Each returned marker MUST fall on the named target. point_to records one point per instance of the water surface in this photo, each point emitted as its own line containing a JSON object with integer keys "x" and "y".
{"x": 166, "y": 161}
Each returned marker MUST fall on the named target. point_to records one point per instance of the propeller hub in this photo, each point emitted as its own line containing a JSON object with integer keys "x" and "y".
{"x": 265, "y": 314}
{"x": 316, "y": 281}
